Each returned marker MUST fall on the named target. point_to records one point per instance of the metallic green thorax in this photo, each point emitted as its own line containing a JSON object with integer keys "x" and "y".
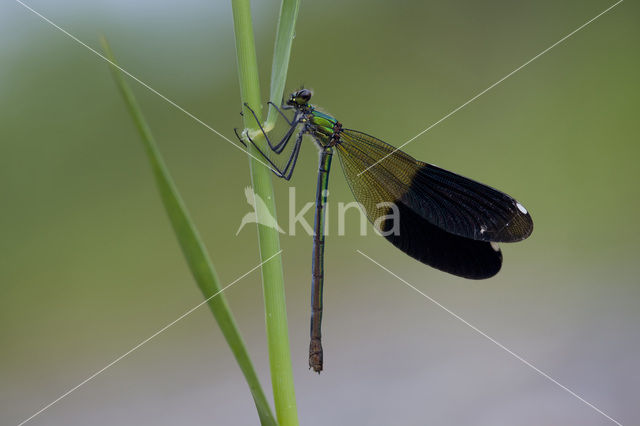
{"x": 324, "y": 126}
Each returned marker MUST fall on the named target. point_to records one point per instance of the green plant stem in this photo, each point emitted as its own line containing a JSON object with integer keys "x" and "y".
{"x": 268, "y": 238}
{"x": 192, "y": 247}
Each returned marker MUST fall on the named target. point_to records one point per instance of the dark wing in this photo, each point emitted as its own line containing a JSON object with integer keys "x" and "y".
{"x": 445, "y": 220}
{"x": 447, "y": 252}
{"x": 449, "y": 201}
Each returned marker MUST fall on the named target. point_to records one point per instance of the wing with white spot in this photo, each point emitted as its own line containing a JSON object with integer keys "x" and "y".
{"x": 377, "y": 173}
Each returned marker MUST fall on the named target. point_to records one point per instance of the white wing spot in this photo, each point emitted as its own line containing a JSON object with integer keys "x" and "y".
{"x": 483, "y": 229}
{"x": 521, "y": 207}
{"x": 495, "y": 246}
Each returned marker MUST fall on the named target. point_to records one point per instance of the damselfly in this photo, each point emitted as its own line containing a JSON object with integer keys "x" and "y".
{"x": 440, "y": 218}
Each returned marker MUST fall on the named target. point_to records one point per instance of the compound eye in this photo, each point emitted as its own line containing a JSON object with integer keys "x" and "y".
{"x": 304, "y": 95}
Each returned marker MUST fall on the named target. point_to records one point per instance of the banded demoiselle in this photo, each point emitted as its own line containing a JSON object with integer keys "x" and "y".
{"x": 442, "y": 219}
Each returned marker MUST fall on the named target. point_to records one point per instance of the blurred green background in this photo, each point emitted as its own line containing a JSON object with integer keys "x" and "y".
{"x": 89, "y": 265}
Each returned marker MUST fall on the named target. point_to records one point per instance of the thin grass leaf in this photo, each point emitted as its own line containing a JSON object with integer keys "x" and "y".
{"x": 281, "y": 54}
{"x": 193, "y": 248}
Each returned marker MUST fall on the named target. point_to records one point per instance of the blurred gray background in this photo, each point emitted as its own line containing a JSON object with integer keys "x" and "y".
{"x": 89, "y": 265}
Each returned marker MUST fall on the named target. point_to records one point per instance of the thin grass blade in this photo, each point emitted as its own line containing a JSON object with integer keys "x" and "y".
{"x": 281, "y": 54}
{"x": 192, "y": 247}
